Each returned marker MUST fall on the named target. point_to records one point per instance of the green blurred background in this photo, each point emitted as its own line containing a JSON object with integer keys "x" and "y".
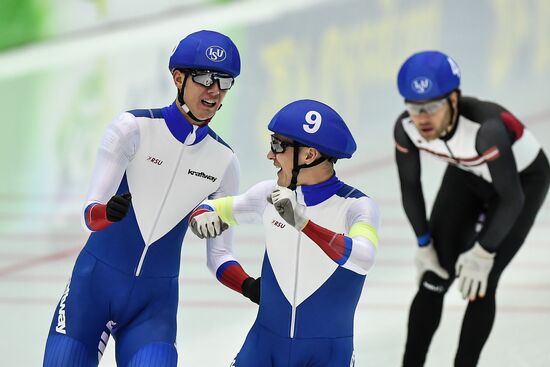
{"x": 67, "y": 67}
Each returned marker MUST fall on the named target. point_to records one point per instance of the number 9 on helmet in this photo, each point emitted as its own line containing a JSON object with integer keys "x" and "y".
{"x": 316, "y": 125}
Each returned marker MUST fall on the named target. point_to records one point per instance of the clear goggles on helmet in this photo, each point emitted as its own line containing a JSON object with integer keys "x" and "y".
{"x": 430, "y": 108}
{"x": 278, "y": 146}
{"x": 207, "y": 78}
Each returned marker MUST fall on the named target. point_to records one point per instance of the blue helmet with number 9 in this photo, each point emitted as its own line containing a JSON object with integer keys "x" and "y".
{"x": 316, "y": 125}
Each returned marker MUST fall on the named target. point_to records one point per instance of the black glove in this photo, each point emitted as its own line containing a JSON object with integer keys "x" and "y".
{"x": 117, "y": 207}
{"x": 251, "y": 289}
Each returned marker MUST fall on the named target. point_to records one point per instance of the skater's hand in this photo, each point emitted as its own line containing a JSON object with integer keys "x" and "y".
{"x": 251, "y": 289}
{"x": 118, "y": 206}
{"x": 472, "y": 270}
{"x": 206, "y": 223}
{"x": 284, "y": 201}
{"x": 426, "y": 260}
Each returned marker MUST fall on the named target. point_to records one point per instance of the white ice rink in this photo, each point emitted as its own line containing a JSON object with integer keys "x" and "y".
{"x": 58, "y": 96}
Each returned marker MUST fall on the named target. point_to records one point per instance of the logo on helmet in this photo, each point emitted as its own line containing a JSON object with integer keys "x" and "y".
{"x": 454, "y": 67}
{"x": 421, "y": 85}
{"x": 215, "y": 53}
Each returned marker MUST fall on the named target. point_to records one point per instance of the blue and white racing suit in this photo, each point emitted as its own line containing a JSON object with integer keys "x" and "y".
{"x": 311, "y": 280}
{"x": 125, "y": 280}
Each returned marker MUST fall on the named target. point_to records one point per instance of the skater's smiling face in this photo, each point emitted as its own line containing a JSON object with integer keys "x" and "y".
{"x": 203, "y": 101}
{"x": 282, "y": 154}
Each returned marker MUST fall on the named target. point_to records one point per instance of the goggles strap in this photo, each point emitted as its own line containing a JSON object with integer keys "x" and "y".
{"x": 453, "y": 118}
{"x": 297, "y": 167}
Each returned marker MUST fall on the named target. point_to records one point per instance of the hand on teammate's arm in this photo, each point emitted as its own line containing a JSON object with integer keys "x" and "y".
{"x": 206, "y": 223}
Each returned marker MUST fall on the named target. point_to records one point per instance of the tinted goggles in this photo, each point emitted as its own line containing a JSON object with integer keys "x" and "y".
{"x": 207, "y": 78}
{"x": 430, "y": 108}
{"x": 279, "y": 146}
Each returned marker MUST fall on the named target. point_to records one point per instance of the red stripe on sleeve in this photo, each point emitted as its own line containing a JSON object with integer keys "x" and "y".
{"x": 233, "y": 277}
{"x": 96, "y": 217}
{"x": 333, "y": 244}
{"x": 197, "y": 212}
{"x": 491, "y": 154}
{"x": 513, "y": 124}
{"x": 400, "y": 148}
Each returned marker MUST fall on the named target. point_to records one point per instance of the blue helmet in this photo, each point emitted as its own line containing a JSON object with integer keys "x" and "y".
{"x": 428, "y": 75}
{"x": 206, "y": 50}
{"x": 316, "y": 125}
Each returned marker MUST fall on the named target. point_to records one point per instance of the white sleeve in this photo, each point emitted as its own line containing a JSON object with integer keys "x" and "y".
{"x": 250, "y": 206}
{"x": 220, "y": 249}
{"x": 365, "y": 215}
{"x": 117, "y": 148}
{"x": 247, "y": 208}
